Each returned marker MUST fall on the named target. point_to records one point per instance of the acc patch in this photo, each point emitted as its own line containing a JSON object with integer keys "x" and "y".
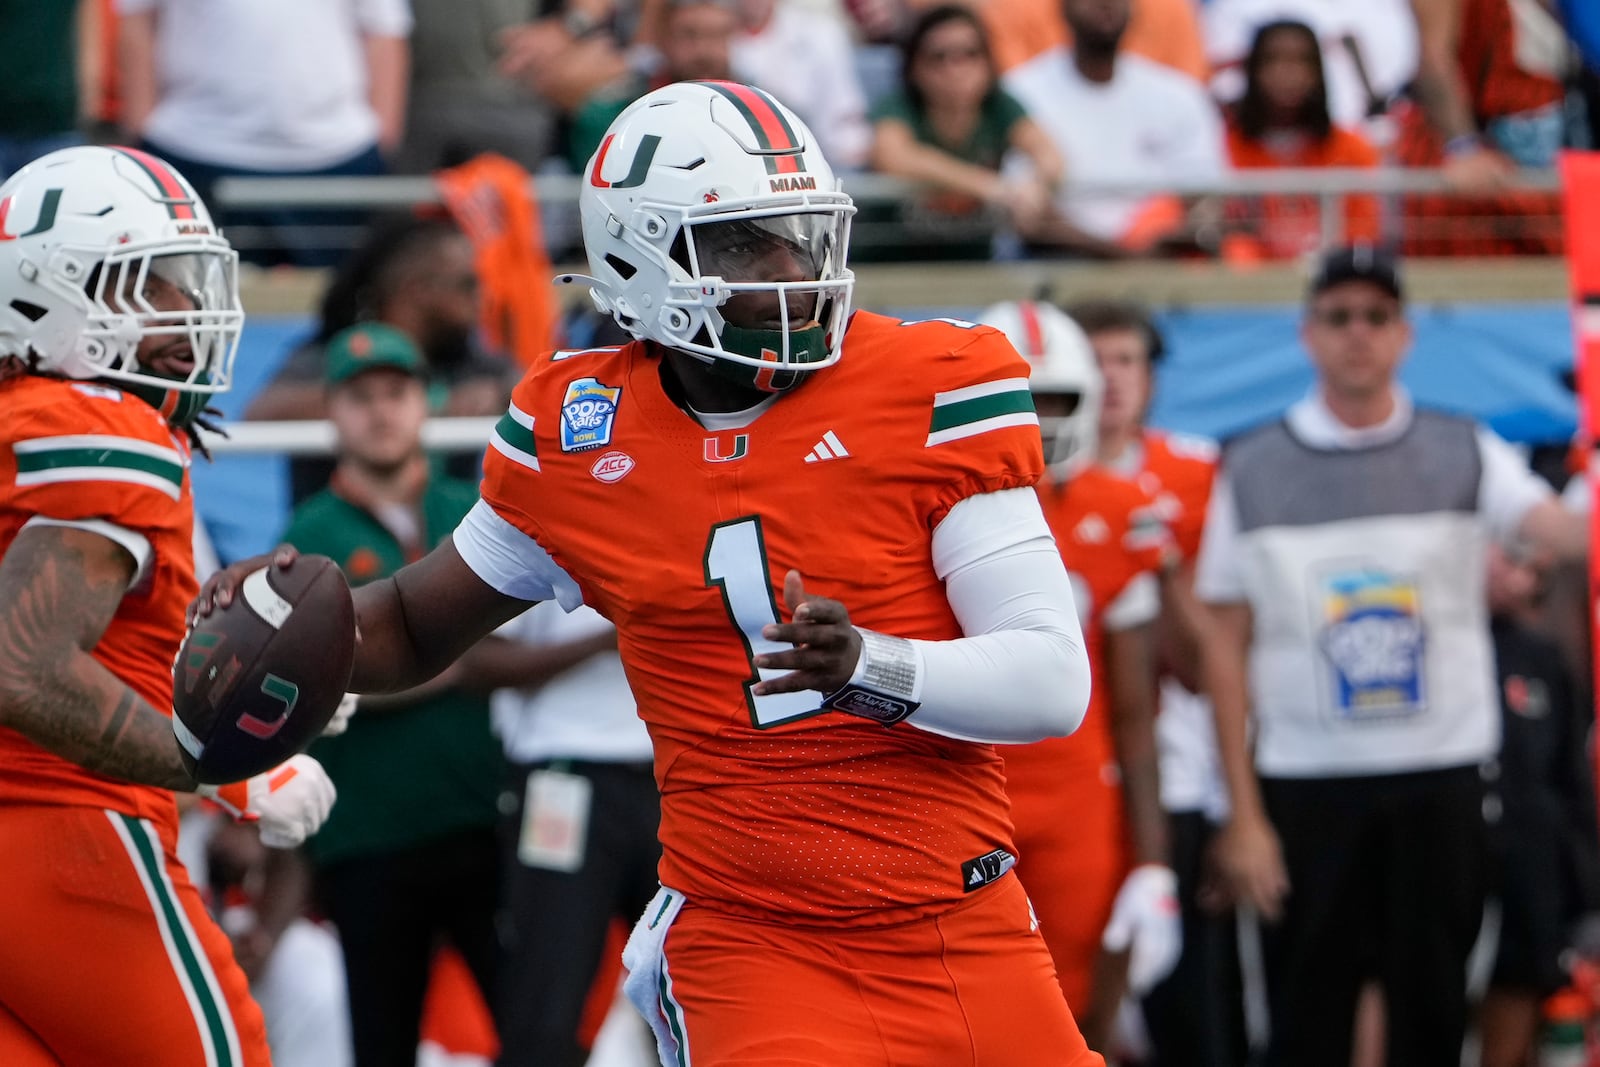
{"x": 587, "y": 414}
{"x": 612, "y": 467}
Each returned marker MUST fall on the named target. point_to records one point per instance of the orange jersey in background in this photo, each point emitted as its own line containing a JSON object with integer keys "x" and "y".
{"x": 1178, "y": 471}
{"x": 1110, "y": 533}
{"x": 79, "y": 451}
{"x": 681, "y": 536}
{"x": 1283, "y": 226}
{"x": 1066, "y": 795}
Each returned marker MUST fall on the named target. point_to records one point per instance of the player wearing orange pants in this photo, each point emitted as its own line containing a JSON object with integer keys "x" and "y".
{"x": 106, "y": 949}
{"x": 1073, "y": 855}
{"x": 1072, "y": 798}
{"x": 119, "y": 318}
{"x": 926, "y": 992}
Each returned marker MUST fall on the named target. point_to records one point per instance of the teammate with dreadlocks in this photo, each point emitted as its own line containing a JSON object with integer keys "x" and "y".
{"x": 119, "y": 319}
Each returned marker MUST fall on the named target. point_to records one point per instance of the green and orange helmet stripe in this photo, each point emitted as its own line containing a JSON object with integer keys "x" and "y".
{"x": 779, "y": 145}
{"x": 171, "y": 190}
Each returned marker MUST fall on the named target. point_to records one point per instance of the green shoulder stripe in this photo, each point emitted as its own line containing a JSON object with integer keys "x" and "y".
{"x": 977, "y": 409}
{"x": 98, "y": 458}
{"x": 513, "y": 438}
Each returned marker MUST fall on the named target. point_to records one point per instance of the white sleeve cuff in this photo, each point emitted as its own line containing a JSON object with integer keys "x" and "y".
{"x": 510, "y": 561}
{"x": 137, "y": 544}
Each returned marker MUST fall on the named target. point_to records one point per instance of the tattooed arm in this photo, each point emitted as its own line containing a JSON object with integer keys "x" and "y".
{"x": 59, "y": 588}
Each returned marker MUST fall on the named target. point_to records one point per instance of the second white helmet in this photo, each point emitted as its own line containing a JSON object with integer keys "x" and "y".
{"x": 102, "y": 248}
{"x": 1063, "y": 365}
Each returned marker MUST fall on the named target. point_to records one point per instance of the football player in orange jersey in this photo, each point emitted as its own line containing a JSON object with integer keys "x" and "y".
{"x": 1091, "y": 834}
{"x": 119, "y": 317}
{"x": 1194, "y": 1018}
{"x": 834, "y": 592}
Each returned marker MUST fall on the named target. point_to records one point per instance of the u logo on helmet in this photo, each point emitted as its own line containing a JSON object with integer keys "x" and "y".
{"x": 636, "y": 171}
{"x": 47, "y": 215}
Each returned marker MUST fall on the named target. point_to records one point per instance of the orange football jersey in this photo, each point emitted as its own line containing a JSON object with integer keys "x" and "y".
{"x": 78, "y": 451}
{"x": 1178, "y": 471}
{"x": 682, "y": 536}
{"x": 1109, "y": 532}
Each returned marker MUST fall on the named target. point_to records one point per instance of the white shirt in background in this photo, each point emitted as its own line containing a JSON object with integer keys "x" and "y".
{"x": 1507, "y": 490}
{"x": 805, "y": 58}
{"x": 1384, "y": 32}
{"x": 279, "y": 85}
{"x": 584, "y": 713}
{"x": 1148, "y": 121}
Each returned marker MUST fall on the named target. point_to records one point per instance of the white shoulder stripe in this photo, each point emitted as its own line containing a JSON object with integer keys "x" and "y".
{"x": 973, "y": 429}
{"x": 513, "y": 453}
{"x": 66, "y": 442}
{"x": 520, "y": 416}
{"x": 99, "y": 474}
{"x": 983, "y": 389}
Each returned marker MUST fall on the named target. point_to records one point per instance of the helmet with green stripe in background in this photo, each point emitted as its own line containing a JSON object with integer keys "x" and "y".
{"x": 714, "y": 226}
{"x": 112, "y": 270}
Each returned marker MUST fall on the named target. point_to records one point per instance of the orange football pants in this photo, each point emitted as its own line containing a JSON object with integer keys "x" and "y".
{"x": 1072, "y": 856}
{"x": 107, "y": 955}
{"x": 972, "y": 987}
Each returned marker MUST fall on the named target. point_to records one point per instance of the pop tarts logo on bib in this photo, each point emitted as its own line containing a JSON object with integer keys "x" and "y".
{"x": 587, "y": 414}
{"x": 1373, "y": 640}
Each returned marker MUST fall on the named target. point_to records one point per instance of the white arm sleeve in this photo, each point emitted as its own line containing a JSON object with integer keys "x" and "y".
{"x": 1021, "y": 673}
{"x": 511, "y": 561}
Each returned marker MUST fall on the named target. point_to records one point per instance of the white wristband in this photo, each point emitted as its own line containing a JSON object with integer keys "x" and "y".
{"x": 887, "y": 682}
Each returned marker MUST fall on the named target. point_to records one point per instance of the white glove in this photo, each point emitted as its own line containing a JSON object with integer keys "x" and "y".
{"x": 341, "y": 715}
{"x": 289, "y": 803}
{"x": 1145, "y": 918}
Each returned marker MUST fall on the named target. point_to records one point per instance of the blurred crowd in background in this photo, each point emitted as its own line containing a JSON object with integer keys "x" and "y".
{"x": 1014, "y": 130}
{"x": 1027, "y": 127}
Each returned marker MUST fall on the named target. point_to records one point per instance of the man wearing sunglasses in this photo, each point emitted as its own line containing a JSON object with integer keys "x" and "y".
{"x": 1342, "y": 564}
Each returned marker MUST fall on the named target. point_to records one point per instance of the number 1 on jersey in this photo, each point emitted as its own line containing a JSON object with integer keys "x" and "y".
{"x": 736, "y": 563}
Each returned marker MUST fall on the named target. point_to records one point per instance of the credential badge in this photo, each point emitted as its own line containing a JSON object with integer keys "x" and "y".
{"x": 587, "y": 414}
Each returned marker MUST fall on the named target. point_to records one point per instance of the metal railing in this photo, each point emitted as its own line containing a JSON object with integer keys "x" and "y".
{"x": 315, "y": 437}
{"x": 1322, "y": 192}
{"x": 878, "y": 189}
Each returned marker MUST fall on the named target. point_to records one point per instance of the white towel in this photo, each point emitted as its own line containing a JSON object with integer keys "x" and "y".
{"x": 644, "y": 957}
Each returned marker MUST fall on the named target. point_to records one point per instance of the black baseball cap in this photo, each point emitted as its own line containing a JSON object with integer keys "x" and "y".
{"x": 1358, "y": 263}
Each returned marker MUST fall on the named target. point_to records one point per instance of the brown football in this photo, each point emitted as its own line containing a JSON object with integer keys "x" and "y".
{"x": 257, "y": 681}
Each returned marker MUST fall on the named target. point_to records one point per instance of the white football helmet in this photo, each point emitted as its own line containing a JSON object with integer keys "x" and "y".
{"x": 696, "y": 192}
{"x": 100, "y": 248}
{"x": 1063, "y": 364}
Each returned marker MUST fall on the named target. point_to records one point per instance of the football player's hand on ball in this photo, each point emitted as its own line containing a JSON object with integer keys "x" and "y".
{"x": 220, "y": 589}
{"x": 826, "y": 647}
{"x": 288, "y": 803}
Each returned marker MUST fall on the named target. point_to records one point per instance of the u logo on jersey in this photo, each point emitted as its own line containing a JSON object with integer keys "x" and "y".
{"x": 587, "y": 414}
{"x": 723, "y": 449}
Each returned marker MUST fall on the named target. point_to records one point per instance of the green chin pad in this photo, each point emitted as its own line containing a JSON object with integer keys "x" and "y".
{"x": 807, "y": 345}
{"x": 186, "y": 406}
